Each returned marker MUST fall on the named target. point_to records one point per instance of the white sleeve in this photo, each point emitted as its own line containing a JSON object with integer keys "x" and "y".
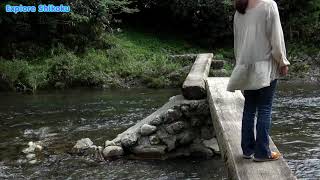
{"x": 276, "y": 36}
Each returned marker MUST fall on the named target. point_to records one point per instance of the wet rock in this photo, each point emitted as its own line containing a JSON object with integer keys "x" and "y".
{"x": 193, "y": 106}
{"x": 200, "y": 150}
{"x": 156, "y": 121}
{"x": 112, "y": 151}
{"x": 32, "y": 147}
{"x": 83, "y": 144}
{"x": 30, "y": 156}
{"x": 152, "y": 150}
{"x": 169, "y": 140}
{"x": 144, "y": 140}
{"x": 60, "y": 85}
{"x": 175, "y": 127}
{"x": 33, "y": 161}
{"x": 185, "y": 110}
{"x": 129, "y": 139}
{"x": 185, "y": 137}
{"x": 195, "y": 121}
{"x": 172, "y": 115}
{"x": 109, "y": 143}
{"x": 179, "y": 152}
{"x": 154, "y": 140}
{"x": 203, "y": 109}
{"x": 99, "y": 154}
{"x": 21, "y": 161}
{"x": 206, "y": 133}
{"x": 147, "y": 129}
{"x": 212, "y": 144}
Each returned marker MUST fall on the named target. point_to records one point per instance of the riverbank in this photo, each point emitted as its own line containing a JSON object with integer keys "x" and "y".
{"x": 305, "y": 65}
{"x": 129, "y": 59}
{"x": 132, "y": 59}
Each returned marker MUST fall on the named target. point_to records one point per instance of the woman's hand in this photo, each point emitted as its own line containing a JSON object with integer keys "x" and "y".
{"x": 284, "y": 70}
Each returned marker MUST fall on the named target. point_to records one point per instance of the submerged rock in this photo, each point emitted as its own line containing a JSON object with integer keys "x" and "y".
{"x": 198, "y": 149}
{"x": 30, "y": 156}
{"x": 33, "y": 161}
{"x": 86, "y": 147}
{"x": 32, "y": 147}
{"x": 151, "y": 150}
{"x": 83, "y": 144}
{"x": 212, "y": 144}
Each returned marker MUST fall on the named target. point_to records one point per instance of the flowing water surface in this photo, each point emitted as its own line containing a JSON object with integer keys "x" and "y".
{"x": 296, "y": 128}
{"x": 60, "y": 118}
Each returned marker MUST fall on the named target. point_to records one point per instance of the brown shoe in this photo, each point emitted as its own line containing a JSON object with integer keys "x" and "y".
{"x": 274, "y": 156}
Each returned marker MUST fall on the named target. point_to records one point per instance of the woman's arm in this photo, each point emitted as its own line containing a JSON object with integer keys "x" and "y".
{"x": 276, "y": 36}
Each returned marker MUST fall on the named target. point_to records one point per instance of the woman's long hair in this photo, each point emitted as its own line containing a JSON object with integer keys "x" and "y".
{"x": 241, "y": 6}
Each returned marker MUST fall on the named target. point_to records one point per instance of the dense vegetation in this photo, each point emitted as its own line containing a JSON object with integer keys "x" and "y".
{"x": 27, "y": 34}
{"x": 87, "y": 47}
{"x": 212, "y": 19}
{"x": 133, "y": 59}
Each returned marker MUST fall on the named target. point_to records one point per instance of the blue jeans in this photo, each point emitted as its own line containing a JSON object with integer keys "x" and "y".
{"x": 257, "y": 101}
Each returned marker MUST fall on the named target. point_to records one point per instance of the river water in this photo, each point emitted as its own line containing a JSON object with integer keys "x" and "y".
{"x": 59, "y": 118}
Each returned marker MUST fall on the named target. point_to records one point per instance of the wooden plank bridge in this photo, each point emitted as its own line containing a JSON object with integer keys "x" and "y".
{"x": 226, "y": 111}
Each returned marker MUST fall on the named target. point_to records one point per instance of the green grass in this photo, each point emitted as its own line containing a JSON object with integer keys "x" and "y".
{"x": 144, "y": 43}
{"x": 130, "y": 56}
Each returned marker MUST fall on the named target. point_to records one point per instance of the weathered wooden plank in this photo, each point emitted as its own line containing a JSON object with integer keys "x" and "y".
{"x": 226, "y": 111}
{"x": 194, "y": 86}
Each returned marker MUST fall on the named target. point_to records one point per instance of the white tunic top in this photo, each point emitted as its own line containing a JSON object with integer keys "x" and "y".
{"x": 259, "y": 47}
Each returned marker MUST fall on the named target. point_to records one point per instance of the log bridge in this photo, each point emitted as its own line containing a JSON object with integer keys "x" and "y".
{"x": 226, "y": 111}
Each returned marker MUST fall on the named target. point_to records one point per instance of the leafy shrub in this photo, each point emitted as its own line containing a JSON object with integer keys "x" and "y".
{"x": 62, "y": 69}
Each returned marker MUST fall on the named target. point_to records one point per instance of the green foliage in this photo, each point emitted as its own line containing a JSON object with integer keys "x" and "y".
{"x": 62, "y": 69}
{"x": 301, "y": 19}
{"x": 131, "y": 56}
{"x": 30, "y": 34}
{"x": 212, "y": 20}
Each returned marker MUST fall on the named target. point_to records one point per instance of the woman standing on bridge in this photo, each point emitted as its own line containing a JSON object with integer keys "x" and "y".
{"x": 260, "y": 54}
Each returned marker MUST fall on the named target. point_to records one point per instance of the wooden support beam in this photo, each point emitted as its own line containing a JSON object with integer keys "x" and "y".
{"x": 194, "y": 86}
{"x": 226, "y": 111}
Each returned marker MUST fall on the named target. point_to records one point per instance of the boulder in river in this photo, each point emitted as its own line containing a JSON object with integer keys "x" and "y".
{"x": 32, "y": 147}
{"x": 147, "y": 129}
{"x": 109, "y": 143}
{"x": 112, "y": 151}
{"x": 83, "y": 144}
{"x": 129, "y": 139}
